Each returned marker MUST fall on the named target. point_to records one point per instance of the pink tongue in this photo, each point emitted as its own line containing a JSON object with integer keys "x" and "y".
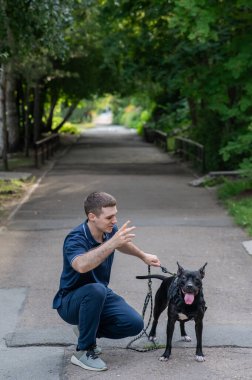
{"x": 189, "y": 298}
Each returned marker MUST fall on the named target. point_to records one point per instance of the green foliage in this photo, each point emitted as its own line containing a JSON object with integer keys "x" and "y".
{"x": 193, "y": 52}
{"x": 102, "y": 103}
{"x": 56, "y": 58}
{"x": 70, "y": 128}
{"x": 11, "y": 191}
{"x": 177, "y": 63}
{"x": 236, "y": 195}
{"x": 230, "y": 189}
{"x": 10, "y": 186}
{"x": 131, "y": 116}
{"x": 213, "y": 181}
{"x": 133, "y": 112}
{"x": 242, "y": 213}
{"x": 238, "y": 152}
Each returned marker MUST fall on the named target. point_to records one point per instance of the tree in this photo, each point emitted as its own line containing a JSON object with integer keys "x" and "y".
{"x": 191, "y": 52}
{"x": 56, "y": 58}
{"x": 29, "y": 53}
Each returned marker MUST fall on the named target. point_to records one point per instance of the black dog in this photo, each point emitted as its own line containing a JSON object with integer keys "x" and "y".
{"x": 183, "y": 295}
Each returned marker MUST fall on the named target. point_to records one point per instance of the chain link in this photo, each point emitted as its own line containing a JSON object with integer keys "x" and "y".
{"x": 148, "y": 299}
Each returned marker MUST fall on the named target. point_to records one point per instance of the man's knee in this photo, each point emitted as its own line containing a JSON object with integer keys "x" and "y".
{"x": 137, "y": 325}
{"x": 96, "y": 291}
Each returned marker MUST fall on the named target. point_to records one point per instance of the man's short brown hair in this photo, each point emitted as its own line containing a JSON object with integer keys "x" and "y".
{"x": 96, "y": 201}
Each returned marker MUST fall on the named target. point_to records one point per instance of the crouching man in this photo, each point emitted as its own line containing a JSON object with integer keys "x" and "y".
{"x": 84, "y": 298}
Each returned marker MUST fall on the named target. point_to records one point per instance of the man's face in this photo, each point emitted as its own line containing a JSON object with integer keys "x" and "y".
{"x": 106, "y": 220}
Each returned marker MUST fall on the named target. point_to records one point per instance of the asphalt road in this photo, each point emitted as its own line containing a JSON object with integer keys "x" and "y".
{"x": 176, "y": 221}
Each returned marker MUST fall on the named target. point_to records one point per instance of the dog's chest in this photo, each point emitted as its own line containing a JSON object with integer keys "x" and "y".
{"x": 182, "y": 317}
{"x": 186, "y": 313}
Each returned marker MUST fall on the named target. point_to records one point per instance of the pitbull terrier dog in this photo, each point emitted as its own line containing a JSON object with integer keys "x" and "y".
{"x": 183, "y": 294}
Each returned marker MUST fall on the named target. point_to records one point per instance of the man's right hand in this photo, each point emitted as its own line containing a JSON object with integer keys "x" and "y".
{"x": 123, "y": 235}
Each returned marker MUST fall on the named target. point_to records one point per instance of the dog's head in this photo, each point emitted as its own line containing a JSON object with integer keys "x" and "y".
{"x": 190, "y": 282}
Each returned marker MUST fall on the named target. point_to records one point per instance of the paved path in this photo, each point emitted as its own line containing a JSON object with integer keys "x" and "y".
{"x": 174, "y": 220}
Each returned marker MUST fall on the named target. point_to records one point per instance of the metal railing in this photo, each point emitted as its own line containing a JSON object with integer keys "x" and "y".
{"x": 44, "y": 149}
{"x": 161, "y": 139}
{"x": 190, "y": 150}
{"x": 156, "y": 136}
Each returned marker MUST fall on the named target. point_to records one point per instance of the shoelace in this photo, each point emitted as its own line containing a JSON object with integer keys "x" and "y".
{"x": 91, "y": 353}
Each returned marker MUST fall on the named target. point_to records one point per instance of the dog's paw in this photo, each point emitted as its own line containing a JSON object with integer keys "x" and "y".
{"x": 163, "y": 359}
{"x": 186, "y": 338}
{"x": 200, "y": 358}
{"x": 152, "y": 338}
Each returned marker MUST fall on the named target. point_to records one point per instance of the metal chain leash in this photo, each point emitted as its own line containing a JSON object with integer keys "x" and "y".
{"x": 148, "y": 299}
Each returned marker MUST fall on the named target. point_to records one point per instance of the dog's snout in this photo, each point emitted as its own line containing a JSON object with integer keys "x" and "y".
{"x": 189, "y": 287}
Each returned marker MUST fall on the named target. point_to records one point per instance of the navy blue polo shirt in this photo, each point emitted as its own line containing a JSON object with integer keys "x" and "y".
{"x": 77, "y": 242}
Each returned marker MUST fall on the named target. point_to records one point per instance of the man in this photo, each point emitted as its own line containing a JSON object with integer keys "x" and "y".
{"x": 84, "y": 298}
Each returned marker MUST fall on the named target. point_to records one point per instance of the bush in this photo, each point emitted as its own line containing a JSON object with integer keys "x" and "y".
{"x": 237, "y": 198}
{"x": 230, "y": 189}
{"x": 70, "y": 129}
{"x": 134, "y": 117}
{"x": 242, "y": 213}
{"x": 237, "y": 152}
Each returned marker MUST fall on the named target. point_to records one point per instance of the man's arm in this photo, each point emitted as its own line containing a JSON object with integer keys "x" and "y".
{"x": 93, "y": 258}
{"x": 131, "y": 249}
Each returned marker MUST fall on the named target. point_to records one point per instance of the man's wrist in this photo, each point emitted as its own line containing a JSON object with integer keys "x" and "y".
{"x": 109, "y": 245}
{"x": 142, "y": 254}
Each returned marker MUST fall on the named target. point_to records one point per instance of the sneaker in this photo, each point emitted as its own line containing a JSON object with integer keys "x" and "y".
{"x": 88, "y": 360}
{"x": 97, "y": 349}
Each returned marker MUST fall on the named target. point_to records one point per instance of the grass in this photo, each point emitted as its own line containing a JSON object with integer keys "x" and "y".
{"x": 237, "y": 197}
{"x": 8, "y": 187}
{"x": 18, "y": 160}
{"x": 242, "y": 213}
{"x": 10, "y": 193}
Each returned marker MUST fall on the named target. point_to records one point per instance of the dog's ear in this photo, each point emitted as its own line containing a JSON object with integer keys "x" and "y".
{"x": 202, "y": 270}
{"x": 180, "y": 270}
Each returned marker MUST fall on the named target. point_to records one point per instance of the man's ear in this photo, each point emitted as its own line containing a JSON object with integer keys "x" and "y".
{"x": 91, "y": 217}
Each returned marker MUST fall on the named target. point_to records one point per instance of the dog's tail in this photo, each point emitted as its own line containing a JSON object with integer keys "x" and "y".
{"x": 159, "y": 276}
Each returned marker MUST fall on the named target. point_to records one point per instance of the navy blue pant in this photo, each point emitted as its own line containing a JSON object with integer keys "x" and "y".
{"x": 99, "y": 312}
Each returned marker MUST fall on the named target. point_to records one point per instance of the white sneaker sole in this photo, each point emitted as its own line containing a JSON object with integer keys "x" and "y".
{"x": 75, "y": 361}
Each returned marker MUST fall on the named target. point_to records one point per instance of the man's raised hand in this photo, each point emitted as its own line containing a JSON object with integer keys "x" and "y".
{"x": 123, "y": 235}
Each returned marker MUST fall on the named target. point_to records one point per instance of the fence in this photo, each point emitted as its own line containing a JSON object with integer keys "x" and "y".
{"x": 186, "y": 149}
{"x": 190, "y": 150}
{"x": 45, "y": 148}
{"x": 155, "y": 136}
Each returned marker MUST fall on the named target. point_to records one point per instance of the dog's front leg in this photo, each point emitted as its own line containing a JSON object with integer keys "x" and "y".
{"x": 159, "y": 306}
{"x": 169, "y": 334}
{"x": 198, "y": 330}
{"x": 183, "y": 333}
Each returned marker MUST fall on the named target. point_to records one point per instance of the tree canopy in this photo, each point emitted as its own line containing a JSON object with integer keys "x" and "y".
{"x": 190, "y": 58}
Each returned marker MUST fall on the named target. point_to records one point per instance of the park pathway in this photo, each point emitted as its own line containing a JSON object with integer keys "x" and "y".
{"x": 174, "y": 220}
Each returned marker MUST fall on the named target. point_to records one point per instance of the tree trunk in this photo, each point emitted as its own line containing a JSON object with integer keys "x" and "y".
{"x": 27, "y": 122}
{"x": 21, "y": 106}
{"x": 11, "y": 111}
{"x": 54, "y": 100}
{"x": 3, "y": 124}
{"x": 1, "y": 114}
{"x": 37, "y": 113}
{"x": 68, "y": 114}
{"x": 193, "y": 111}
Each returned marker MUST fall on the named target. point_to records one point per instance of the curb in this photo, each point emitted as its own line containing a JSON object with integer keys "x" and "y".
{"x": 248, "y": 246}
